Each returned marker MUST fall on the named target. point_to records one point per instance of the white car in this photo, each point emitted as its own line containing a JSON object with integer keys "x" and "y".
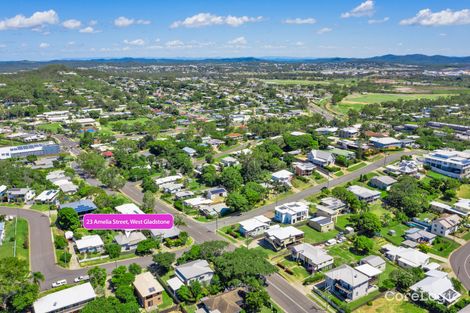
{"x": 59, "y": 283}
{"x": 82, "y": 278}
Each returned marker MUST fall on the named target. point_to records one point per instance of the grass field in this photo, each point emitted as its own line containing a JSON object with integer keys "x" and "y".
{"x": 7, "y": 248}
{"x": 357, "y": 166}
{"x": 50, "y": 127}
{"x": 464, "y": 191}
{"x": 358, "y": 101}
{"x": 314, "y": 236}
{"x": 399, "y": 229}
{"x": 167, "y": 301}
{"x": 343, "y": 255}
{"x": 382, "y": 305}
{"x": 443, "y": 246}
{"x": 304, "y": 82}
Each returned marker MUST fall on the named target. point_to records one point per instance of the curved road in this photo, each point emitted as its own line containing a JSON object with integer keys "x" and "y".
{"x": 460, "y": 262}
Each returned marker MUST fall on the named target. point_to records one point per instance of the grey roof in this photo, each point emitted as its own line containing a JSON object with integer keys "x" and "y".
{"x": 387, "y": 180}
{"x": 166, "y": 233}
{"x": 194, "y": 269}
{"x": 321, "y": 220}
{"x": 373, "y": 260}
{"x": 133, "y": 239}
{"x": 314, "y": 254}
{"x": 347, "y": 274}
{"x": 64, "y": 298}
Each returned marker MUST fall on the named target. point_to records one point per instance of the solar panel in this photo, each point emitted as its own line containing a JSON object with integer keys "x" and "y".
{"x": 152, "y": 289}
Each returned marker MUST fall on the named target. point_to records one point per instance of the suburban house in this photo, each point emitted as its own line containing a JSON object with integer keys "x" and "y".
{"x": 405, "y": 257}
{"x": 438, "y": 286}
{"x": 382, "y": 182}
{"x": 282, "y": 237}
{"x": 148, "y": 290}
{"x": 419, "y": 235}
{"x": 462, "y": 207}
{"x": 347, "y": 282}
{"x": 68, "y": 300}
{"x": 91, "y": 243}
{"x": 385, "y": 142}
{"x": 364, "y": 194}
{"x": 321, "y": 158}
{"x": 370, "y": 271}
{"x": 321, "y": 223}
{"x": 291, "y": 213}
{"x": 375, "y": 261}
{"x": 313, "y": 258}
{"x": 255, "y": 226}
{"x": 326, "y": 130}
{"x": 171, "y": 188}
{"x": 197, "y": 202}
{"x": 47, "y": 196}
{"x": 349, "y": 155}
{"x": 451, "y": 163}
{"x": 130, "y": 242}
{"x": 168, "y": 179}
{"x": 217, "y": 209}
{"x": 282, "y": 177}
{"x": 229, "y": 161}
{"x": 3, "y": 190}
{"x": 165, "y": 233}
{"x": 81, "y": 207}
{"x": 445, "y": 225}
{"x": 215, "y": 193}
{"x": 227, "y": 302}
{"x": 128, "y": 208}
{"x": 404, "y": 167}
{"x": 189, "y": 151}
{"x": 303, "y": 168}
{"x": 330, "y": 207}
{"x": 348, "y": 132}
{"x": 198, "y": 270}
{"x": 20, "y": 194}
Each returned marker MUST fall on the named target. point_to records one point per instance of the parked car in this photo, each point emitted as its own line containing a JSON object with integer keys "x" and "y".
{"x": 59, "y": 283}
{"x": 82, "y": 278}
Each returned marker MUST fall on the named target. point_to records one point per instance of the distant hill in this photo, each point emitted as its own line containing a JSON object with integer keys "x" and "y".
{"x": 410, "y": 59}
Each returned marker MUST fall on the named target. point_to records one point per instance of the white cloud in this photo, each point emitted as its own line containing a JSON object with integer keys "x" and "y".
{"x": 72, "y": 24}
{"x": 44, "y": 45}
{"x": 324, "y": 30}
{"x": 88, "y": 30}
{"x": 239, "y": 41}
{"x": 174, "y": 44}
{"x": 208, "y": 19}
{"x": 366, "y": 8}
{"x": 123, "y": 21}
{"x": 136, "y": 42}
{"x": 39, "y": 18}
{"x": 71, "y": 43}
{"x": 385, "y": 19}
{"x": 92, "y": 22}
{"x": 3, "y": 46}
{"x": 300, "y": 21}
{"x": 446, "y": 17}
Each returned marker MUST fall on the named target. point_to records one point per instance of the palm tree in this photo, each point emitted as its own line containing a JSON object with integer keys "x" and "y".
{"x": 37, "y": 277}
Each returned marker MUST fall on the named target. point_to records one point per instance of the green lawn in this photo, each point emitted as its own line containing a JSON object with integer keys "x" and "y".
{"x": 357, "y": 166}
{"x": 467, "y": 236}
{"x": 40, "y": 207}
{"x": 50, "y": 127}
{"x": 363, "y": 300}
{"x": 314, "y": 236}
{"x": 22, "y": 240}
{"x": 435, "y": 175}
{"x": 305, "y": 82}
{"x": 443, "y": 246}
{"x": 342, "y": 221}
{"x": 377, "y": 208}
{"x": 399, "y": 229}
{"x": 464, "y": 191}
{"x": 167, "y": 301}
{"x": 343, "y": 255}
{"x": 382, "y": 305}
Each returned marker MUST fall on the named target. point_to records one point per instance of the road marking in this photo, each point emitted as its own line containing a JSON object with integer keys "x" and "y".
{"x": 287, "y": 296}
{"x": 465, "y": 266}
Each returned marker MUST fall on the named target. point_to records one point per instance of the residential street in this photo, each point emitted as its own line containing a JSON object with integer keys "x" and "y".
{"x": 460, "y": 262}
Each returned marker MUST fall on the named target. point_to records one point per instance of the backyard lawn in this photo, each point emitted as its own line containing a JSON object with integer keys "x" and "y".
{"x": 22, "y": 242}
{"x": 443, "y": 246}
{"x": 464, "y": 191}
{"x": 399, "y": 229}
{"x": 343, "y": 255}
{"x": 167, "y": 301}
{"x": 382, "y": 305}
{"x": 313, "y": 236}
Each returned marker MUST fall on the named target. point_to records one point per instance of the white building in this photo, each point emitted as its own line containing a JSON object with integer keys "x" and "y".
{"x": 321, "y": 158}
{"x": 91, "y": 243}
{"x": 254, "y": 226}
{"x": 129, "y": 208}
{"x": 438, "y": 286}
{"x": 282, "y": 177}
{"x": 446, "y": 225}
{"x": 313, "y": 258}
{"x": 37, "y": 149}
{"x": 291, "y": 213}
{"x": 347, "y": 282}
{"x": 364, "y": 194}
{"x": 405, "y": 257}
{"x": 451, "y": 163}
{"x": 68, "y": 300}
{"x": 168, "y": 179}
{"x": 47, "y": 196}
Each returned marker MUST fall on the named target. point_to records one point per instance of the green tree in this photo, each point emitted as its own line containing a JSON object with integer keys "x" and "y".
{"x": 164, "y": 260}
{"x": 135, "y": 269}
{"x": 367, "y": 223}
{"x": 97, "y": 276}
{"x": 67, "y": 219}
{"x": 25, "y": 297}
{"x": 363, "y": 245}
{"x": 402, "y": 279}
{"x": 256, "y": 299}
{"x": 91, "y": 162}
{"x": 146, "y": 246}
{"x": 237, "y": 202}
{"x": 60, "y": 242}
{"x": 407, "y": 196}
{"x": 37, "y": 277}
{"x": 148, "y": 202}
{"x": 231, "y": 178}
{"x": 209, "y": 175}
{"x": 113, "y": 250}
{"x": 112, "y": 178}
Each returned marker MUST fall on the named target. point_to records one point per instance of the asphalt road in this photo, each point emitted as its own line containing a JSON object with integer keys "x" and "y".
{"x": 460, "y": 262}
{"x": 309, "y": 191}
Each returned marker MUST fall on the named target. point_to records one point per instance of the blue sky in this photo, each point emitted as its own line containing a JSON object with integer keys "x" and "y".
{"x": 43, "y": 30}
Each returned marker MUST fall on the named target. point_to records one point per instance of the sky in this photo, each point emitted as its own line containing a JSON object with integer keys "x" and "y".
{"x": 47, "y": 30}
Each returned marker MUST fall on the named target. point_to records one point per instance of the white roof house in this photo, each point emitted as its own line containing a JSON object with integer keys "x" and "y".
{"x": 196, "y": 270}
{"x": 254, "y": 226}
{"x": 47, "y": 196}
{"x": 146, "y": 284}
{"x": 462, "y": 207}
{"x": 347, "y": 274}
{"x": 405, "y": 257}
{"x": 196, "y": 202}
{"x": 368, "y": 270}
{"x": 89, "y": 242}
{"x": 438, "y": 287}
{"x": 74, "y": 297}
{"x": 168, "y": 179}
{"x": 363, "y": 193}
{"x": 314, "y": 254}
{"x": 129, "y": 208}
{"x": 283, "y": 233}
{"x": 291, "y": 213}
{"x": 282, "y": 176}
